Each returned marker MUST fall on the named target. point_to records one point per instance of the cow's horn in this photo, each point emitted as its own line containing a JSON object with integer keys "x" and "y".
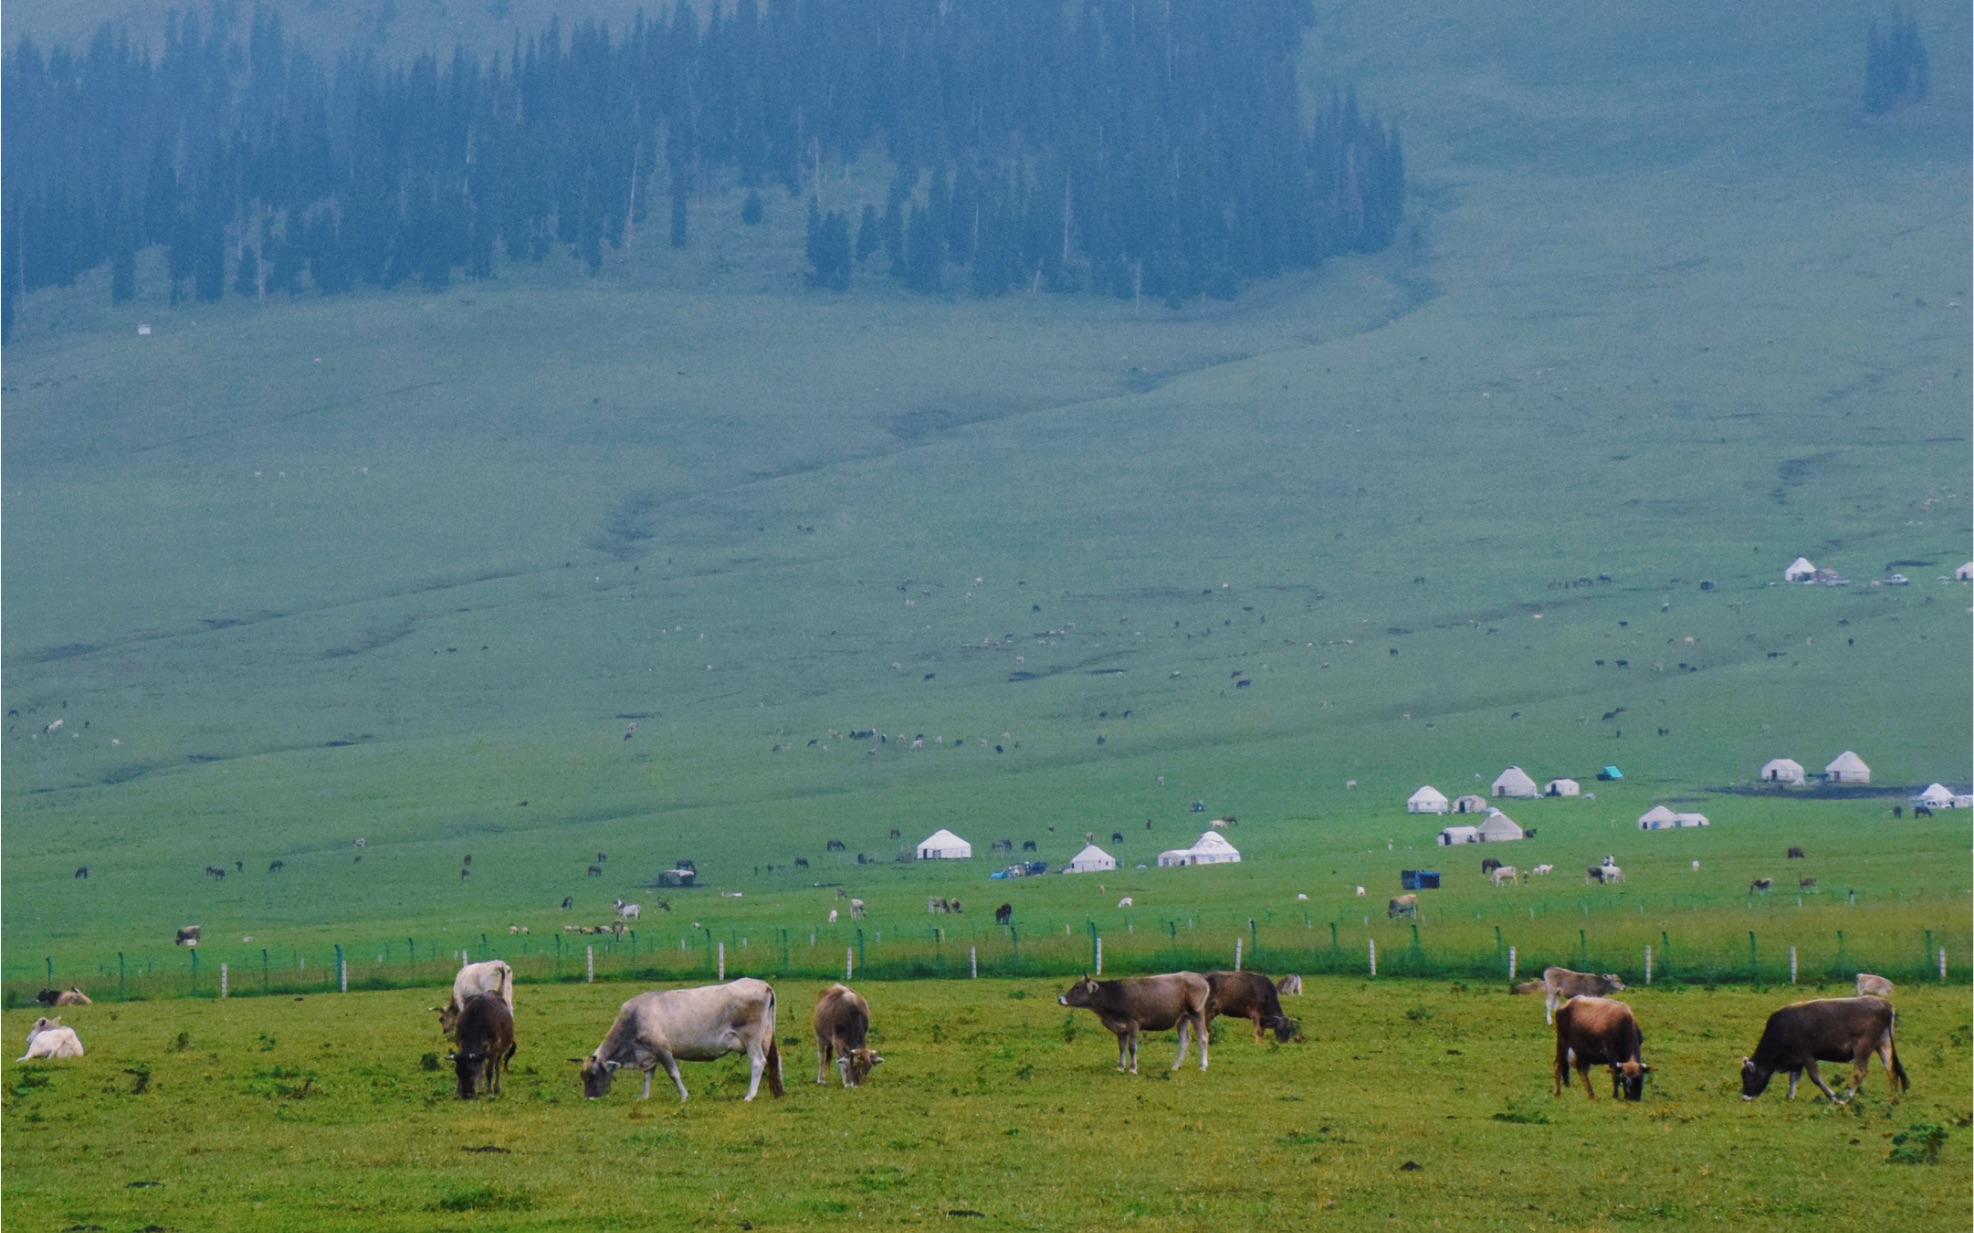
{"x": 579, "y": 1060}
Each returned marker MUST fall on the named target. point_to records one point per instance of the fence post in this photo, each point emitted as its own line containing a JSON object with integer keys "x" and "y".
{"x": 1100, "y": 956}
{"x": 265, "y": 977}
{"x": 1648, "y": 963}
{"x": 1583, "y": 947}
{"x": 342, "y": 970}
{"x": 1237, "y": 952}
{"x": 1253, "y": 939}
{"x": 860, "y": 944}
{"x": 195, "y": 970}
{"x": 973, "y": 962}
{"x": 1497, "y": 941}
{"x": 1943, "y": 965}
{"x": 589, "y": 964}
{"x": 1792, "y": 965}
{"x": 723, "y": 962}
{"x": 1665, "y": 947}
{"x": 222, "y": 980}
{"x": 1511, "y": 963}
{"x": 1374, "y": 956}
{"x": 849, "y": 962}
{"x": 50, "y": 961}
{"x": 119, "y": 976}
{"x": 1840, "y": 950}
{"x": 1928, "y": 952}
{"x": 1754, "y": 964}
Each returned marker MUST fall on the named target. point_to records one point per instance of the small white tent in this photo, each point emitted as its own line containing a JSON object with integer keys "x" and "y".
{"x": 1427, "y": 799}
{"x": 1515, "y": 782}
{"x": 1092, "y": 859}
{"x": 1459, "y": 834}
{"x": 1499, "y": 828}
{"x": 1684, "y": 820}
{"x": 1800, "y": 571}
{"x": 1562, "y": 787}
{"x": 944, "y": 845}
{"x": 1847, "y": 767}
{"x": 1935, "y": 796}
{"x": 1965, "y": 573}
{"x": 1782, "y": 770}
{"x": 1658, "y": 817}
{"x": 1211, "y": 849}
{"x": 1470, "y": 804}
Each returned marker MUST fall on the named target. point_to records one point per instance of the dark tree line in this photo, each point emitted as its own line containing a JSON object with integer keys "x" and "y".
{"x": 1895, "y": 71}
{"x": 1150, "y": 147}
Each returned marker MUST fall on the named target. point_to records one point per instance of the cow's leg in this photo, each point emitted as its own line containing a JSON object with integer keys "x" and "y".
{"x": 1818, "y": 1080}
{"x": 1185, "y": 1026}
{"x": 1134, "y": 1048}
{"x": 671, "y": 1065}
{"x": 1583, "y": 1068}
{"x": 1795, "y": 1077}
{"x": 1549, "y": 1007}
{"x": 1121, "y": 1047}
{"x": 823, "y": 1051}
{"x": 1258, "y": 1038}
{"x": 1203, "y": 1039}
{"x": 757, "y": 1061}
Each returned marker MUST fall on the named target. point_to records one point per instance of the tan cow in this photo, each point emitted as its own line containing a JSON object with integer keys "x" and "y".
{"x": 1559, "y": 985}
{"x": 691, "y": 1025}
{"x": 1505, "y": 874}
{"x": 843, "y": 1029}
{"x": 1403, "y": 905}
{"x": 1873, "y": 986}
{"x": 1593, "y": 1031}
{"x": 1250, "y": 996}
{"x": 1128, "y": 1006}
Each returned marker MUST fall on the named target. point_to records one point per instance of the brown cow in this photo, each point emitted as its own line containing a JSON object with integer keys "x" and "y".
{"x": 1593, "y": 1031}
{"x": 843, "y": 1028}
{"x": 1402, "y": 905}
{"x": 486, "y": 1043}
{"x": 1795, "y": 854}
{"x": 1146, "y": 1002}
{"x": 1802, "y": 1034}
{"x": 1559, "y": 985}
{"x": 1250, "y": 996}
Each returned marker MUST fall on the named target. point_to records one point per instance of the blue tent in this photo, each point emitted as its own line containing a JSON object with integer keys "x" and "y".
{"x": 1610, "y": 772}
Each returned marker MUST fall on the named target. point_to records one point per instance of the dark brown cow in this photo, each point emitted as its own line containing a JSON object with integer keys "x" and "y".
{"x": 1126, "y": 1007}
{"x": 1490, "y": 864}
{"x": 1004, "y": 914}
{"x": 1795, "y": 854}
{"x": 1764, "y": 885}
{"x": 1250, "y": 996}
{"x": 1592, "y": 1031}
{"x": 485, "y": 1043}
{"x": 1824, "y": 1030}
{"x": 843, "y": 1028}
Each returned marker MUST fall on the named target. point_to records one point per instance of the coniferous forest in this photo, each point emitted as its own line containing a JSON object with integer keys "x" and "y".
{"x": 1130, "y": 147}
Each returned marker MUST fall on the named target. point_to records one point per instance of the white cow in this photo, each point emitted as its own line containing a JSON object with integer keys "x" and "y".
{"x": 628, "y": 911}
{"x": 856, "y": 909}
{"x": 1506, "y": 873}
{"x": 1541, "y": 870}
{"x": 48, "y": 1038}
{"x": 692, "y": 1025}
{"x": 1873, "y": 986}
{"x": 1124, "y": 902}
{"x": 489, "y": 976}
{"x": 832, "y": 916}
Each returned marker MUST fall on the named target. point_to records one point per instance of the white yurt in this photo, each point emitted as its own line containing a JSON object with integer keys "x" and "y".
{"x": 1515, "y": 782}
{"x": 1936, "y": 796}
{"x": 1211, "y": 849}
{"x": 1658, "y": 817}
{"x": 1470, "y": 804}
{"x": 1782, "y": 770}
{"x": 1965, "y": 573}
{"x": 1499, "y": 828}
{"x": 1459, "y": 834}
{"x": 1682, "y": 821}
{"x": 944, "y": 845}
{"x": 1800, "y": 571}
{"x": 1427, "y": 799}
{"x": 1562, "y": 787}
{"x": 1092, "y": 859}
{"x": 1847, "y": 767}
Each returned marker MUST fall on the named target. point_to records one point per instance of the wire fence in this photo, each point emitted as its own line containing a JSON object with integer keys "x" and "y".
{"x": 1361, "y": 947}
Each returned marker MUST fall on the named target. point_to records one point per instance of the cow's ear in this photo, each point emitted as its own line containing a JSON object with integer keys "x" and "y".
{"x": 1747, "y": 1063}
{"x": 612, "y": 1066}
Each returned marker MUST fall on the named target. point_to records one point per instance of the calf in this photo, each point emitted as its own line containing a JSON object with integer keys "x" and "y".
{"x": 486, "y": 1043}
{"x": 48, "y": 1038}
{"x": 1873, "y": 986}
{"x": 1250, "y": 996}
{"x": 1403, "y": 905}
{"x": 1129, "y": 1006}
{"x": 1594, "y": 1031}
{"x": 1802, "y": 1034}
{"x": 1004, "y": 914}
{"x": 693, "y": 1025}
{"x": 1559, "y": 985}
{"x": 843, "y": 1029}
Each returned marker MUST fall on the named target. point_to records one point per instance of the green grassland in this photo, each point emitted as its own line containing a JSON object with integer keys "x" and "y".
{"x": 408, "y": 568}
{"x": 1408, "y": 1101}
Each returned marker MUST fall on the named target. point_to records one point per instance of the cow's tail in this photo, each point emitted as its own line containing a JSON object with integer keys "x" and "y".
{"x": 774, "y": 1052}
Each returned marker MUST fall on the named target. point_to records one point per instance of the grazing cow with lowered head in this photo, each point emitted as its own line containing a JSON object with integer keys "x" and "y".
{"x": 82, "y": 871}
{"x": 1140, "y": 1003}
{"x": 188, "y": 936}
{"x": 1559, "y": 985}
{"x": 1802, "y": 1034}
{"x": 490, "y": 976}
{"x": 1490, "y": 864}
{"x": 689, "y": 1025}
{"x": 1004, "y": 914}
{"x": 1403, "y": 905}
{"x": 1764, "y": 885}
{"x": 843, "y": 1029}
{"x": 1250, "y": 996}
{"x": 1593, "y": 1031}
{"x": 1289, "y": 986}
{"x": 1795, "y": 854}
{"x": 63, "y": 997}
{"x": 485, "y": 1045}
{"x": 48, "y": 1038}
{"x": 1873, "y": 986}
{"x": 1505, "y": 874}
{"x": 1606, "y": 875}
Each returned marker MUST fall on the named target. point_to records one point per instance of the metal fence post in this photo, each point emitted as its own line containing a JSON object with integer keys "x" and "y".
{"x": 222, "y": 980}
{"x": 589, "y": 964}
{"x": 119, "y": 976}
{"x": 1374, "y": 956}
{"x": 849, "y": 963}
{"x": 1648, "y": 963}
{"x": 973, "y": 962}
{"x": 342, "y": 970}
{"x": 1792, "y": 965}
{"x": 1237, "y": 953}
{"x": 1100, "y": 956}
{"x": 722, "y": 972}
{"x": 1511, "y": 963}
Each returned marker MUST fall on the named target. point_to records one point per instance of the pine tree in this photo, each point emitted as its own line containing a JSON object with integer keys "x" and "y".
{"x": 868, "y": 240}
